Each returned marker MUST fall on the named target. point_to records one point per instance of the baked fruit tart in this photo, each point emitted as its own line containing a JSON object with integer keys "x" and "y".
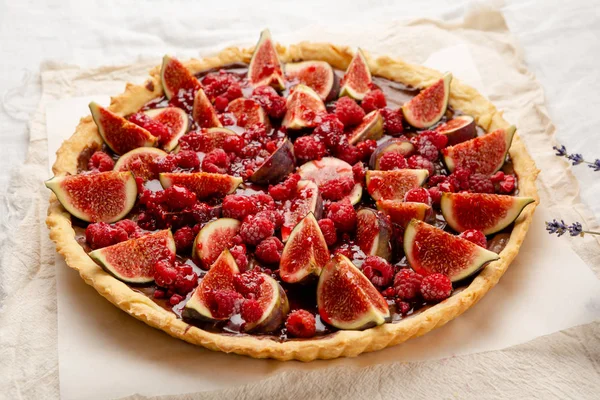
{"x": 307, "y": 202}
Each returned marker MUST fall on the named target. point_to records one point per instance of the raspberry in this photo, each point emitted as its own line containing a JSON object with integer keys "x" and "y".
{"x": 178, "y": 197}
{"x": 419, "y": 162}
{"x": 248, "y": 283}
{"x": 226, "y": 119}
{"x": 373, "y": 100}
{"x": 165, "y": 164}
{"x": 233, "y": 144}
{"x": 239, "y": 254}
{"x": 175, "y": 299}
{"x": 460, "y": 178}
{"x": 436, "y": 287}
{"x": 392, "y": 121}
{"x": 184, "y": 99}
{"x": 359, "y": 171}
{"x": 308, "y": 148}
{"x": 331, "y": 131}
{"x": 263, "y": 201}
{"x": 418, "y": 195}
{"x": 301, "y": 324}
{"x": 497, "y": 177}
{"x": 161, "y": 131}
{"x": 275, "y": 216}
{"x": 187, "y": 159}
{"x": 255, "y": 132}
{"x": 251, "y": 311}
{"x": 436, "y": 195}
{"x": 221, "y": 103}
{"x": 238, "y": 206}
{"x": 100, "y": 162}
{"x": 378, "y": 271}
{"x": 392, "y": 160}
{"x": 269, "y": 250}
{"x": 101, "y": 235}
{"x": 255, "y": 229}
{"x": 336, "y": 189}
{"x": 348, "y": 112}
{"x": 425, "y": 147}
{"x": 508, "y": 185}
{"x": 343, "y": 215}
{"x": 132, "y": 229}
{"x": 165, "y": 273}
{"x": 447, "y": 187}
{"x": 407, "y": 283}
{"x": 475, "y": 236}
{"x": 286, "y": 189}
{"x": 184, "y": 238}
{"x": 480, "y": 183}
{"x": 403, "y": 307}
{"x": 349, "y": 153}
{"x": 267, "y": 97}
{"x": 223, "y": 303}
{"x": 439, "y": 140}
{"x": 388, "y": 292}
{"x": 437, "y": 179}
{"x": 222, "y": 84}
{"x": 328, "y": 230}
{"x": 366, "y": 148}
{"x": 216, "y": 161}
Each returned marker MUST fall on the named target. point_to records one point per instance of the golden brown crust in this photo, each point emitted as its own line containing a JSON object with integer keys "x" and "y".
{"x": 342, "y": 343}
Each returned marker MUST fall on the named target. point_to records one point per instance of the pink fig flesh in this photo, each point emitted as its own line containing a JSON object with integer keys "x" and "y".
{"x": 204, "y": 184}
{"x": 306, "y": 200}
{"x": 373, "y": 233}
{"x": 139, "y": 162}
{"x": 393, "y": 185}
{"x": 356, "y": 82}
{"x": 175, "y": 77}
{"x": 317, "y": 75}
{"x": 175, "y": 119}
{"x": 429, "y": 106}
{"x": 203, "y": 112}
{"x": 213, "y": 238}
{"x": 248, "y": 112}
{"x": 265, "y": 67}
{"x": 401, "y": 213}
{"x": 304, "y": 106}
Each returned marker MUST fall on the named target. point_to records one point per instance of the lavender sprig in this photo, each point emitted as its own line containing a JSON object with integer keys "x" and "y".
{"x": 576, "y": 158}
{"x": 560, "y": 228}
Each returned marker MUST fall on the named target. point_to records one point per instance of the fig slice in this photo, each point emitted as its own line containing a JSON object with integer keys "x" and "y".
{"x": 488, "y": 213}
{"x": 133, "y": 261}
{"x": 303, "y": 107}
{"x": 356, "y": 82}
{"x": 204, "y": 184}
{"x": 175, "y": 119}
{"x": 317, "y": 75}
{"x": 213, "y": 138}
{"x": 265, "y": 67}
{"x": 430, "y": 250}
{"x": 213, "y": 238}
{"x": 347, "y": 299}
{"x": 393, "y": 185}
{"x": 373, "y": 233}
{"x": 307, "y": 200}
{"x": 279, "y": 165}
{"x": 305, "y": 252}
{"x": 139, "y": 162}
{"x": 329, "y": 168}
{"x": 99, "y": 197}
{"x": 371, "y": 127}
{"x": 394, "y": 145}
{"x": 219, "y": 278}
{"x": 175, "y": 77}
{"x": 401, "y": 212}
{"x": 203, "y": 111}
{"x": 484, "y": 154}
{"x": 458, "y": 129}
{"x": 429, "y": 106}
{"x": 273, "y": 302}
{"x": 248, "y": 112}
{"x": 118, "y": 133}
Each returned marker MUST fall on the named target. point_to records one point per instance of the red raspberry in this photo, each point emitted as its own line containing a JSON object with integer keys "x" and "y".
{"x": 132, "y": 229}
{"x": 269, "y": 250}
{"x": 234, "y": 144}
{"x": 184, "y": 99}
{"x": 419, "y": 162}
{"x": 436, "y": 287}
{"x": 275, "y": 216}
{"x": 331, "y": 131}
{"x": 349, "y": 153}
{"x": 480, "y": 183}
{"x": 439, "y": 140}
{"x": 348, "y": 112}
{"x": 403, "y": 307}
{"x": 267, "y": 97}
{"x": 239, "y": 254}
{"x": 328, "y": 229}
{"x": 100, "y": 162}
{"x": 165, "y": 273}
{"x": 238, "y": 206}
{"x": 221, "y": 103}
{"x": 343, "y": 215}
{"x": 175, "y": 299}
{"x": 255, "y": 132}
{"x": 223, "y": 303}
{"x": 436, "y": 195}
{"x": 407, "y": 283}
{"x": 460, "y": 178}
{"x": 255, "y": 229}
{"x": 286, "y": 189}
{"x": 475, "y": 236}
{"x": 437, "y": 179}
{"x": 251, "y": 311}
{"x": 373, "y": 100}
{"x": 165, "y": 164}
{"x": 216, "y": 161}
{"x": 184, "y": 238}
{"x": 226, "y": 119}
{"x": 263, "y": 201}
{"x": 425, "y": 147}
{"x": 161, "y": 131}
{"x": 222, "y": 84}
{"x": 508, "y": 185}
{"x": 336, "y": 189}
{"x": 388, "y": 292}
{"x": 418, "y": 195}
{"x": 447, "y": 187}
{"x": 359, "y": 171}
{"x": 366, "y": 148}
{"x": 497, "y": 177}
{"x": 187, "y": 159}
{"x": 392, "y": 121}
{"x": 248, "y": 283}
{"x": 378, "y": 271}
{"x": 308, "y": 148}
{"x": 101, "y": 235}
{"x": 392, "y": 160}
{"x": 178, "y": 197}
{"x": 301, "y": 324}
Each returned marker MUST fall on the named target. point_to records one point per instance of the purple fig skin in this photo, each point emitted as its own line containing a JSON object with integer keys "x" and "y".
{"x": 335, "y": 89}
{"x": 275, "y": 319}
{"x": 461, "y": 134}
{"x": 279, "y": 165}
{"x": 384, "y": 249}
{"x": 398, "y": 145}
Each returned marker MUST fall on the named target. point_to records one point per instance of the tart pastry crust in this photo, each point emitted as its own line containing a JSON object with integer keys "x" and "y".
{"x": 340, "y": 343}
